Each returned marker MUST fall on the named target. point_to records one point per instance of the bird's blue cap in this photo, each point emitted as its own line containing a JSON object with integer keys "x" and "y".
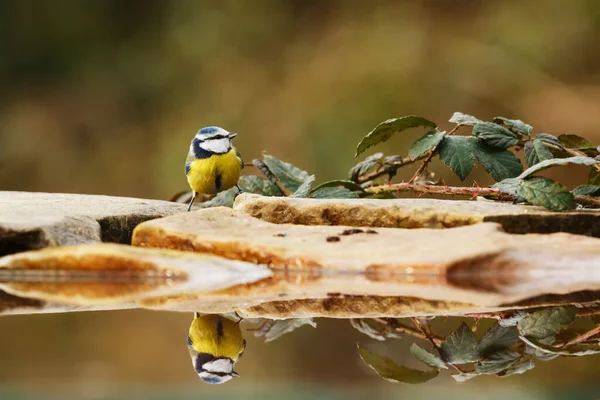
{"x": 209, "y": 129}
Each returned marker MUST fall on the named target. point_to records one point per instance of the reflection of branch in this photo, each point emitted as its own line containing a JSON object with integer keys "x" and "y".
{"x": 433, "y": 342}
{"x": 583, "y": 337}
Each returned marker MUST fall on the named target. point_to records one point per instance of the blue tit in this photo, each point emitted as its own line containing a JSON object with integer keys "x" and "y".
{"x": 215, "y": 344}
{"x": 212, "y": 164}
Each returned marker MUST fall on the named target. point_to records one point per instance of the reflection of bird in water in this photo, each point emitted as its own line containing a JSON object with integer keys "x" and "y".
{"x": 212, "y": 164}
{"x": 215, "y": 344}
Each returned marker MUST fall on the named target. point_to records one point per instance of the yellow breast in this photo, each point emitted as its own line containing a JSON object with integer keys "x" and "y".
{"x": 218, "y": 336}
{"x": 216, "y": 173}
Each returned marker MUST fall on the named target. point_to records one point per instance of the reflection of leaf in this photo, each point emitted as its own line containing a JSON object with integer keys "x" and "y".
{"x": 425, "y": 143}
{"x": 289, "y": 176}
{"x": 496, "y": 338}
{"x": 460, "y": 347}
{"x": 364, "y": 166}
{"x": 388, "y": 369}
{"x": 501, "y": 164}
{"x": 519, "y": 368}
{"x": 515, "y": 124}
{"x": 547, "y": 193}
{"x": 546, "y": 322}
{"x": 464, "y": 119}
{"x": 580, "y": 160}
{"x": 374, "y": 329}
{"x": 433, "y": 360}
{"x": 464, "y": 376}
{"x": 571, "y": 141}
{"x": 333, "y": 193}
{"x": 456, "y": 152}
{"x": 386, "y": 129}
{"x": 540, "y": 355}
{"x": 574, "y": 350}
{"x": 587, "y": 190}
{"x": 497, "y": 362}
{"x": 536, "y": 151}
{"x": 304, "y": 189}
{"x": 281, "y": 327}
{"x": 495, "y": 135}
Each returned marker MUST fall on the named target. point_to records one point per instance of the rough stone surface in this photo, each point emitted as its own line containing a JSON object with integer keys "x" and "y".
{"x": 478, "y": 264}
{"x": 37, "y": 220}
{"x": 103, "y": 273}
{"x": 417, "y": 213}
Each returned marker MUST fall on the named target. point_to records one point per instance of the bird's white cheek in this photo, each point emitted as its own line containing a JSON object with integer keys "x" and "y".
{"x": 218, "y": 146}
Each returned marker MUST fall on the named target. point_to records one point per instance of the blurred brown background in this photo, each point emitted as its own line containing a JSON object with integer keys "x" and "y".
{"x": 104, "y": 96}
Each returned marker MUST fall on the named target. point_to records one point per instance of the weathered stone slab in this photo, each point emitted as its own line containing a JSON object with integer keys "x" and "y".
{"x": 36, "y": 220}
{"x": 417, "y": 213}
{"x": 97, "y": 274}
{"x": 478, "y": 264}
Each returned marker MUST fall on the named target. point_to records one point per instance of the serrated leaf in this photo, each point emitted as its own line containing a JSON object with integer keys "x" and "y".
{"x": 256, "y": 184}
{"x": 546, "y": 322}
{"x": 547, "y": 193}
{"x": 571, "y": 141}
{"x": 495, "y": 135}
{"x": 289, "y": 176}
{"x": 497, "y": 362}
{"x": 515, "y": 124}
{"x": 536, "y": 151}
{"x": 460, "y": 347}
{"x": 222, "y": 199}
{"x": 386, "y": 129}
{"x": 594, "y": 177}
{"x": 508, "y": 186}
{"x": 556, "y": 162}
{"x": 304, "y": 189}
{"x": 425, "y": 143}
{"x": 551, "y": 139}
{"x": 519, "y": 368}
{"x": 280, "y": 327}
{"x": 364, "y": 166}
{"x": 333, "y": 193}
{"x": 501, "y": 164}
{"x": 433, "y": 360}
{"x": 587, "y": 190}
{"x": 463, "y": 119}
{"x": 463, "y": 377}
{"x": 340, "y": 183}
{"x": 497, "y": 338}
{"x": 456, "y": 152}
{"x": 388, "y": 369}
{"x": 578, "y": 350}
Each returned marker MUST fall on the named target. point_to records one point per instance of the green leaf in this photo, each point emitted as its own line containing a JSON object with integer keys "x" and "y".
{"x": 547, "y": 193}
{"x": 340, "y": 183}
{"x": 497, "y": 338}
{"x": 463, "y": 119}
{"x": 364, "y": 166}
{"x": 289, "y": 176}
{"x": 222, "y": 199}
{"x": 515, "y": 125}
{"x": 388, "y": 369}
{"x": 587, "y": 190}
{"x": 425, "y": 143}
{"x": 571, "y": 141}
{"x": 462, "y": 377}
{"x": 594, "y": 177}
{"x": 581, "y": 349}
{"x": 536, "y": 151}
{"x": 433, "y": 360}
{"x": 281, "y": 327}
{"x": 550, "y": 139}
{"x": 495, "y": 135}
{"x": 497, "y": 362}
{"x": 456, "y": 152}
{"x": 546, "y": 322}
{"x": 555, "y": 162}
{"x": 509, "y": 186}
{"x": 386, "y": 129}
{"x": 333, "y": 193}
{"x": 256, "y": 184}
{"x": 304, "y": 189}
{"x": 519, "y": 368}
{"x": 501, "y": 164}
{"x": 460, "y": 347}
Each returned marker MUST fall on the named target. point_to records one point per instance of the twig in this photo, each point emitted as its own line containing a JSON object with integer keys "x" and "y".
{"x": 385, "y": 169}
{"x": 447, "y": 190}
{"x": 583, "y": 337}
{"x": 572, "y": 152}
{"x": 419, "y": 334}
{"x": 588, "y": 201}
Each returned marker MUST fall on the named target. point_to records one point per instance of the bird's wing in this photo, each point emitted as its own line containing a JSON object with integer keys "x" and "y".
{"x": 188, "y": 162}
{"x": 237, "y": 153}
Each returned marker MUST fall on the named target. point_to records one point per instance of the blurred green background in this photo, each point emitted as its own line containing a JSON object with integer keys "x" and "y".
{"x": 104, "y": 97}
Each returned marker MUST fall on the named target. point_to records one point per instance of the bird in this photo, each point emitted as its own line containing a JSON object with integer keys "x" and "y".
{"x": 212, "y": 164}
{"x": 215, "y": 344}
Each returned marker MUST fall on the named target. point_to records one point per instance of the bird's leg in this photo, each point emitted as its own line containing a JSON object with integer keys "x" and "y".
{"x": 192, "y": 201}
{"x": 239, "y": 191}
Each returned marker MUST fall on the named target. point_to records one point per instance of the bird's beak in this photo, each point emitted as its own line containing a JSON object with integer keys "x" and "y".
{"x": 235, "y": 374}
{"x": 232, "y": 135}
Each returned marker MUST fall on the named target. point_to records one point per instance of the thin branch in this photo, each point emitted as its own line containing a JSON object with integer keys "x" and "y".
{"x": 445, "y": 190}
{"x": 588, "y": 201}
{"x": 385, "y": 169}
{"x": 583, "y": 337}
{"x": 419, "y": 334}
{"x": 572, "y": 152}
